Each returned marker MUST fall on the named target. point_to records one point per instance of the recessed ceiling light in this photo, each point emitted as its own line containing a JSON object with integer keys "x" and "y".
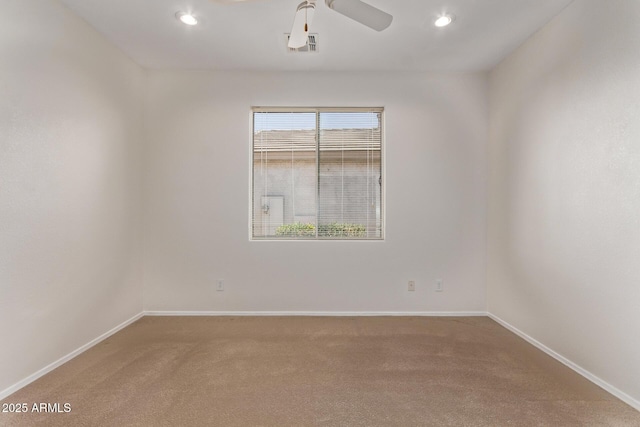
{"x": 443, "y": 20}
{"x": 186, "y": 18}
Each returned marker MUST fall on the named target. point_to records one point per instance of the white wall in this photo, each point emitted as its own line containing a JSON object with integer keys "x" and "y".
{"x": 563, "y": 226}
{"x": 564, "y": 189}
{"x": 70, "y": 133}
{"x": 197, "y": 196}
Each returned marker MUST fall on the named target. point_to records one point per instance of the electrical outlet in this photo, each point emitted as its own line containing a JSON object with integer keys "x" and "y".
{"x": 439, "y": 286}
{"x": 412, "y": 285}
{"x": 220, "y": 285}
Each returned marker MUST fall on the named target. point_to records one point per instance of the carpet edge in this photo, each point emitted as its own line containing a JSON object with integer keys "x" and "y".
{"x": 316, "y": 313}
{"x": 31, "y": 378}
{"x": 635, "y": 404}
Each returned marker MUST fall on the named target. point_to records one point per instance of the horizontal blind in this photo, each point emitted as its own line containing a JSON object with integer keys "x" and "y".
{"x": 317, "y": 174}
{"x": 350, "y": 175}
{"x": 284, "y": 173}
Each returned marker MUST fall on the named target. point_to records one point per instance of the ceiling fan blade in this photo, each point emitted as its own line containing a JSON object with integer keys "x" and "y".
{"x": 361, "y": 12}
{"x": 301, "y": 22}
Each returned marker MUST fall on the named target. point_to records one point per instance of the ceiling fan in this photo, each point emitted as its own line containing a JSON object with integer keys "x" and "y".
{"x": 357, "y": 10}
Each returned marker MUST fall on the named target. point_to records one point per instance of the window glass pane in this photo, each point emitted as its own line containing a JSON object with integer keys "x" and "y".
{"x": 317, "y": 174}
{"x": 350, "y": 175}
{"x": 284, "y": 174}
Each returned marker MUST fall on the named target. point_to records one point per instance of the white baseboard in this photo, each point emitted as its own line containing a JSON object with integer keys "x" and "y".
{"x": 318, "y": 313}
{"x": 560, "y": 358}
{"x": 31, "y": 378}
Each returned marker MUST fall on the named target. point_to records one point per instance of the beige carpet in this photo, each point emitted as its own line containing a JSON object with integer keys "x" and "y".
{"x": 317, "y": 371}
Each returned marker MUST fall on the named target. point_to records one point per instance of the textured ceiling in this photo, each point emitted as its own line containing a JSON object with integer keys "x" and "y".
{"x": 250, "y": 35}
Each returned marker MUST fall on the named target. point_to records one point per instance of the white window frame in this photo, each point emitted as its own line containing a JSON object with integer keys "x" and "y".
{"x": 317, "y": 110}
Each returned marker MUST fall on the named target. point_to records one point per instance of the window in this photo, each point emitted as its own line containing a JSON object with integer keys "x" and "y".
{"x": 317, "y": 174}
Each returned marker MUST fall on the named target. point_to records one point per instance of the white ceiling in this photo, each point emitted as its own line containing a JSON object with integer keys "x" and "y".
{"x": 250, "y": 35}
